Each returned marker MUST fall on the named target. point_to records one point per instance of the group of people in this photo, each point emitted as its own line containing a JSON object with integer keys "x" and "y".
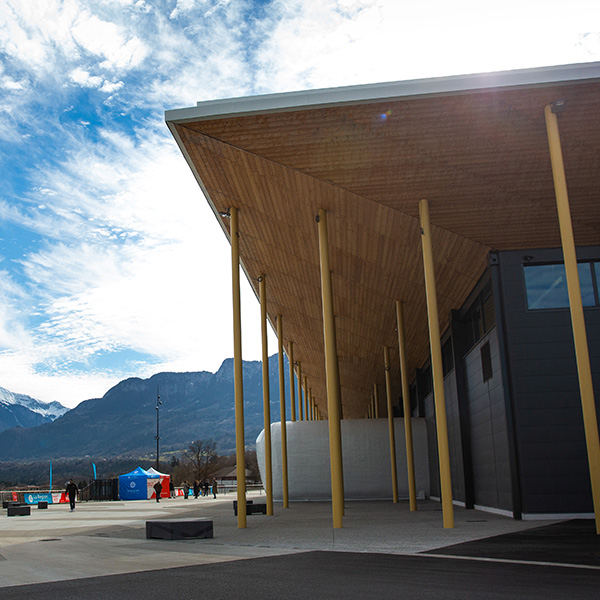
{"x": 200, "y": 488}
{"x": 197, "y": 489}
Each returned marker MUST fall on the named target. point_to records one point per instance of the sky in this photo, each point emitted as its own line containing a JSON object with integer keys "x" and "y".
{"x": 111, "y": 263}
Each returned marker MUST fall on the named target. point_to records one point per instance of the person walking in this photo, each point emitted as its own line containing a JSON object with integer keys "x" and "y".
{"x": 214, "y": 488}
{"x": 186, "y": 490}
{"x": 196, "y": 488}
{"x": 158, "y": 490}
{"x": 172, "y": 488}
{"x": 72, "y": 491}
{"x": 205, "y": 488}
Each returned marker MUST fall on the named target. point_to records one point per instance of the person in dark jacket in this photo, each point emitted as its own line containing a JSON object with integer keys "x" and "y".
{"x": 214, "y": 488}
{"x": 196, "y": 488}
{"x": 205, "y": 488}
{"x": 72, "y": 490}
{"x": 172, "y": 488}
{"x": 158, "y": 490}
{"x": 186, "y": 490}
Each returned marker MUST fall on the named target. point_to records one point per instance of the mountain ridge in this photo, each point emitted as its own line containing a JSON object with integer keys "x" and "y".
{"x": 194, "y": 405}
{"x": 20, "y": 410}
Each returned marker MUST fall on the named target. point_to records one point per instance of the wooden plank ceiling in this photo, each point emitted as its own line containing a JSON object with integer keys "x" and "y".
{"x": 481, "y": 159}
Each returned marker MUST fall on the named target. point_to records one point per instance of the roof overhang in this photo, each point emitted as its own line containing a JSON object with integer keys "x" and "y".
{"x": 475, "y": 146}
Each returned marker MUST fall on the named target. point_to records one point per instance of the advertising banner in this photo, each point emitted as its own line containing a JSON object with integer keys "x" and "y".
{"x": 36, "y": 497}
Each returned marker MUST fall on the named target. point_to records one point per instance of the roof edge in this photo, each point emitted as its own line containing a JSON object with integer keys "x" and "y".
{"x": 375, "y": 92}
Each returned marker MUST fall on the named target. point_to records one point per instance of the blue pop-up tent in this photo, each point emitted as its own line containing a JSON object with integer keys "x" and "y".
{"x": 134, "y": 485}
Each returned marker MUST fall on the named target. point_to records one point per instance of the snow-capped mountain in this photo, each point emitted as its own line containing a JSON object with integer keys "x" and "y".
{"x": 19, "y": 410}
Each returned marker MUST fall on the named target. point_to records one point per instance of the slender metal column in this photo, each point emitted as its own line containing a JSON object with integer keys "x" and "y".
{"x": 410, "y": 460}
{"x": 300, "y": 411}
{"x": 306, "y": 412}
{"x": 292, "y": 381}
{"x": 266, "y": 395}
{"x": 284, "y": 461}
{"x": 436, "y": 367}
{"x": 390, "y": 411}
{"x": 376, "y": 400}
{"x": 240, "y": 447}
{"x": 582, "y": 354}
{"x": 332, "y": 376}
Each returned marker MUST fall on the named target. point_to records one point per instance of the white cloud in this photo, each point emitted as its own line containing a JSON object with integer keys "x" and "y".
{"x": 84, "y": 79}
{"x": 109, "y": 41}
{"x": 131, "y": 256}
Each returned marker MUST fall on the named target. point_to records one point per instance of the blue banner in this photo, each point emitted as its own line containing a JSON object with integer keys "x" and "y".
{"x": 34, "y": 498}
{"x": 94, "y": 465}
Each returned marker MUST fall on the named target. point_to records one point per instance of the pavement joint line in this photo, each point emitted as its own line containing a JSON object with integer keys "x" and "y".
{"x": 538, "y": 563}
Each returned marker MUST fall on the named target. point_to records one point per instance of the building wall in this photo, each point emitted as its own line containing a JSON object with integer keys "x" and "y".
{"x": 488, "y": 428}
{"x": 366, "y": 457}
{"x": 454, "y": 441}
{"x": 550, "y": 443}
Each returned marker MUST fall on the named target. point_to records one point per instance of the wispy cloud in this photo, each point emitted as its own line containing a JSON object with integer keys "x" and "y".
{"x": 111, "y": 263}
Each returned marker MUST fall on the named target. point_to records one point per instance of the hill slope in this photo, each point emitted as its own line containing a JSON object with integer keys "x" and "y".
{"x": 197, "y": 405}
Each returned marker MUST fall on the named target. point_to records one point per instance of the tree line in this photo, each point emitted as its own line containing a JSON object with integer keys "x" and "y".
{"x": 200, "y": 460}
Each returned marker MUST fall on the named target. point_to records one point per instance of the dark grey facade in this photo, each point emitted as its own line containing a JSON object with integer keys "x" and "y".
{"x": 515, "y": 423}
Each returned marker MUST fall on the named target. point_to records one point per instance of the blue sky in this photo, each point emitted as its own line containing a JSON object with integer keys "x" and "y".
{"x": 111, "y": 264}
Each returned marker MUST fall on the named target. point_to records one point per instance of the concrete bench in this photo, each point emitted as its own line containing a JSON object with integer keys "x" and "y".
{"x": 18, "y": 510}
{"x": 251, "y": 508}
{"x": 7, "y": 503}
{"x": 42, "y": 504}
{"x": 181, "y": 529}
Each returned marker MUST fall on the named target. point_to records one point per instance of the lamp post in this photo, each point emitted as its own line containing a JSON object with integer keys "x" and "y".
{"x": 158, "y": 403}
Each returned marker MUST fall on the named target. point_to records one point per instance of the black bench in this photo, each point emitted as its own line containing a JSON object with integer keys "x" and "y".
{"x": 181, "y": 529}
{"x": 18, "y": 510}
{"x": 251, "y": 508}
{"x": 7, "y": 503}
{"x": 42, "y": 504}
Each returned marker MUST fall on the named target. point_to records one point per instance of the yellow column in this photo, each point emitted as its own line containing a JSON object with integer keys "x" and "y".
{"x": 266, "y": 395}
{"x": 332, "y": 376}
{"x": 240, "y": 447}
{"x": 292, "y": 382}
{"x": 306, "y": 412}
{"x": 390, "y": 411}
{"x": 410, "y": 461}
{"x": 436, "y": 367}
{"x": 582, "y": 355}
{"x": 300, "y": 411}
{"x": 376, "y": 400}
{"x": 284, "y": 462}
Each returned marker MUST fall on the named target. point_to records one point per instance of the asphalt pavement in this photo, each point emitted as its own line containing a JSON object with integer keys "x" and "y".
{"x": 100, "y": 551}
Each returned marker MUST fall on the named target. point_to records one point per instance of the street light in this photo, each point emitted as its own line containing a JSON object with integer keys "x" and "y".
{"x": 158, "y": 403}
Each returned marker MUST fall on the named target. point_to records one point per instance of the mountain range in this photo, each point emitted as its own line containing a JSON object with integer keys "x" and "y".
{"x": 19, "y": 410}
{"x": 196, "y": 405}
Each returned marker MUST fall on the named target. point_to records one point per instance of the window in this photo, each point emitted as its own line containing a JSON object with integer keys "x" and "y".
{"x": 546, "y": 285}
{"x": 486, "y": 362}
{"x": 481, "y": 317}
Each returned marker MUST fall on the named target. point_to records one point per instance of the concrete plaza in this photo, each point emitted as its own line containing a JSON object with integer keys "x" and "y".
{"x": 100, "y": 550}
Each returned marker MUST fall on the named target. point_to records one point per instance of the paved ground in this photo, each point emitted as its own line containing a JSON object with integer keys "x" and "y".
{"x": 100, "y": 551}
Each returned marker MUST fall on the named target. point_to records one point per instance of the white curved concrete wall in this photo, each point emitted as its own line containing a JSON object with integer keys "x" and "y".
{"x": 366, "y": 456}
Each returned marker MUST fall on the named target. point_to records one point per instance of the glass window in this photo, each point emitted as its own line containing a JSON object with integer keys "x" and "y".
{"x": 597, "y": 273}
{"x": 547, "y": 286}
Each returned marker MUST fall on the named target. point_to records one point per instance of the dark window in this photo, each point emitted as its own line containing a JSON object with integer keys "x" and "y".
{"x": 546, "y": 286}
{"x": 447, "y": 357}
{"x": 425, "y": 383}
{"x": 481, "y": 317}
{"x": 486, "y": 362}
{"x": 489, "y": 314}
